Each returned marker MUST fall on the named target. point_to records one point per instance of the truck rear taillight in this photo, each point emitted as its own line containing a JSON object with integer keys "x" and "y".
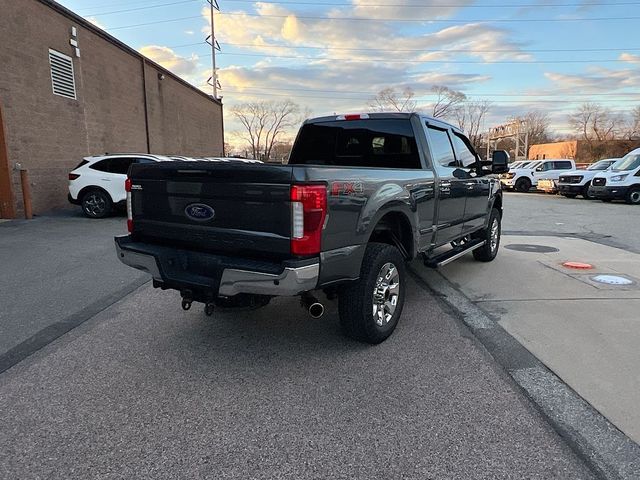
{"x": 308, "y": 213}
{"x": 127, "y": 188}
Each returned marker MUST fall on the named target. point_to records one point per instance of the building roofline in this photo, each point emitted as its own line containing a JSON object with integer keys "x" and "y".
{"x": 121, "y": 45}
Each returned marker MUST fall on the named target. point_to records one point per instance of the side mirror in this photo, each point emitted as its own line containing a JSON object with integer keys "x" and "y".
{"x": 500, "y": 162}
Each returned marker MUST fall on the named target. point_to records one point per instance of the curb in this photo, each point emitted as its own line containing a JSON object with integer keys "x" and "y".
{"x": 604, "y": 448}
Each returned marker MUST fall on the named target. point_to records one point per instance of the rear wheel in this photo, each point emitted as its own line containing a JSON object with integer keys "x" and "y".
{"x": 96, "y": 204}
{"x": 523, "y": 185}
{"x": 491, "y": 236}
{"x": 633, "y": 197}
{"x": 371, "y": 306}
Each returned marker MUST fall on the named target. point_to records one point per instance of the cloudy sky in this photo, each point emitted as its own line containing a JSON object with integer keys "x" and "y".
{"x": 334, "y": 55}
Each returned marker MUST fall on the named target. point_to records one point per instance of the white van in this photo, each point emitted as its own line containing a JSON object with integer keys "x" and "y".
{"x": 620, "y": 182}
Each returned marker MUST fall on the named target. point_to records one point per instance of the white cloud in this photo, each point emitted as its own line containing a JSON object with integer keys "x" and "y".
{"x": 183, "y": 66}
{"x": 95, "y": 21}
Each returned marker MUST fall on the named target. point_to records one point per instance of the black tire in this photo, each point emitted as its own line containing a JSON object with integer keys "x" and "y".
{"x": 585, "y": 192}
{"x": 489, "y": 250}
{"x": 96, "y": 204}
{"x": 357, "y": 300}
{"x": 570, "y": 195}
{"x": 633, "y": 196}
{"x": 523, "y": 185}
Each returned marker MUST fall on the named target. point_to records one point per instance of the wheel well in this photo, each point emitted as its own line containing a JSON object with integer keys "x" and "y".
{"x": 394, "y": 229}
{"x": 497, "y": 203}
{"x": 89, "y": 188}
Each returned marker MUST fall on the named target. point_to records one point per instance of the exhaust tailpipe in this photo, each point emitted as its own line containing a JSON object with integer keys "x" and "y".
{"x": 312, "y": 305}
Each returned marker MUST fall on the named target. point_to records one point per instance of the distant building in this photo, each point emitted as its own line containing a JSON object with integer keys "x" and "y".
{"x": 582, "y": 151}
{"x": 68, "y": 90}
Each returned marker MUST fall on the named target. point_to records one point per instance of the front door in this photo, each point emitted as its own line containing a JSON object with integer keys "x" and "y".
{"x": 477, "y": 187}
{"x": 451, "y": 188}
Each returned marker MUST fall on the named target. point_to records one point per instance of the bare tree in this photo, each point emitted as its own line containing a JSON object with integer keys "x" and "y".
{"x": 470, "y": 116}
{"x": 632, "y": 130}
{"x": 264, "y": 123}
{"x": 593, "y": 122}
{"x": 538, "y": 127}
{"x": 446, "y": 101}
{"x": 390, "y": 99}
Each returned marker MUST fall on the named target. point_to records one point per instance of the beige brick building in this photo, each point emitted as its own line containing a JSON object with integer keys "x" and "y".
{"x": 69, "y": 90}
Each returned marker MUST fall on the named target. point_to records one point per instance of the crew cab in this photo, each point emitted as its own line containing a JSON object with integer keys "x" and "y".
{"x": 523, "y": 179}
{"x": 620, "y": 182}
{"x": 361, "y": 195}
{"x": 577, "y": 182}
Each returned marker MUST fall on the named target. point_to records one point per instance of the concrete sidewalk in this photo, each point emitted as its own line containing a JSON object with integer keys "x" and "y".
{"x": 588, "y": 334}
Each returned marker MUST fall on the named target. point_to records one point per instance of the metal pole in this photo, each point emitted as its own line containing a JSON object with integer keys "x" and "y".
{"x": 214, "y": 76}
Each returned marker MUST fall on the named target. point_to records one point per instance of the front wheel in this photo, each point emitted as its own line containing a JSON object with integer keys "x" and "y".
{"x": 585, "y": 192}
{"x": 523, "y": 185}
{"x": 491, "y": 236}
{"x": 371, "y": 306}
{"x": 633, "y": 197}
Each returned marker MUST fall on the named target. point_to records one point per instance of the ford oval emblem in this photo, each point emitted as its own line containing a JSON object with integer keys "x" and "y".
{"x": 199, "y": 212}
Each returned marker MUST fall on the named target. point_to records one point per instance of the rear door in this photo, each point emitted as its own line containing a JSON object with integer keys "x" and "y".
{"x": 452, "y": 184}
{"x": 477, "y": 188}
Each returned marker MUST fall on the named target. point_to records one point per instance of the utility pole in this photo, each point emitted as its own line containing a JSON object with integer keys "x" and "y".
{"x": 213, "y": 4}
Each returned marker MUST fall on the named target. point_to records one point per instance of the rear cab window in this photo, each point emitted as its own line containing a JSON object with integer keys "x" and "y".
{"x": 375, "y": 143}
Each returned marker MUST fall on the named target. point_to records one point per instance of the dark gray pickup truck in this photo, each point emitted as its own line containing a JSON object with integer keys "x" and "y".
{"x": 361, "y": 195}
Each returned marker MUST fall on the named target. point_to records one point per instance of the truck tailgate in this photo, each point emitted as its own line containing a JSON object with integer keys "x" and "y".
{"x": 213, "y": 206}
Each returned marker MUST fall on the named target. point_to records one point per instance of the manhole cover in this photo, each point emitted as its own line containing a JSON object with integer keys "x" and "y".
{"x": 612, "y": 280}
{"x": 525, "y": 247}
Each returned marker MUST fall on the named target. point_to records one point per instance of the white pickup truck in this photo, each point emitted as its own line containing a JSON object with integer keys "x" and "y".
{"x": 620, "y": 182}
{"x": 577, "y": 182}
{"x": 523, "y": 179}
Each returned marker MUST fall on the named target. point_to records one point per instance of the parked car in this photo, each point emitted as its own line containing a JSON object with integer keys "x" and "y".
{"x": 620, "y": 182}
{"x": 577, "y": 182}
{"x": 97, "y": 183}
{"x": 361, "y": 195}
{"x": 523, "y": 179}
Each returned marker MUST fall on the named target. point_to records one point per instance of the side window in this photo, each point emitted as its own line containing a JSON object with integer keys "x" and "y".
{"x": 563, "y": 166}
{"x": 121, "y": 165}
{"x": 144, "y": 160}
{"x": 464, "y": 151}
{"x": 102, "y": 166}
{"x": 441, "y": 147}
{"x": 546, "y": 166}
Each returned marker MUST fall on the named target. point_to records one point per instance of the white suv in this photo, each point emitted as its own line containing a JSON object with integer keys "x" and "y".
{"x": 97, "y": 183}
{"x": 522, "y": 179}
{"x": 577, "y": 182}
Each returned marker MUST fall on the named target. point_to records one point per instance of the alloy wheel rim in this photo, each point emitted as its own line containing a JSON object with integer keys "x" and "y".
{"x": 95, "y": 204}
{"x": 495, "y": 231}
{"x": 635, "y": 196}
{"x": 386, "y": 293}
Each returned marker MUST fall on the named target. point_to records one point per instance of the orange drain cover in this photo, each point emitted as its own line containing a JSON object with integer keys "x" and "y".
{"x": 578, "y": 265}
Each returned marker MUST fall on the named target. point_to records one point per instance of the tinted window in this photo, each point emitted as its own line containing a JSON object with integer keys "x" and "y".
{"x": 546, "y": 166}
{"x": 563, "y": 165}
{"x": 441, "y": 147}
{"x": 102, "y": 166}
{"x": 121, "y": 165}
{"x": 464, "y": 152}
{"x": 357, "y": 143}
{"x": 145, "y": 160}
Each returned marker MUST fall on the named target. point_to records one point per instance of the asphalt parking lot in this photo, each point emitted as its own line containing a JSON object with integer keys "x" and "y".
{"x": 141, "y": 389}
